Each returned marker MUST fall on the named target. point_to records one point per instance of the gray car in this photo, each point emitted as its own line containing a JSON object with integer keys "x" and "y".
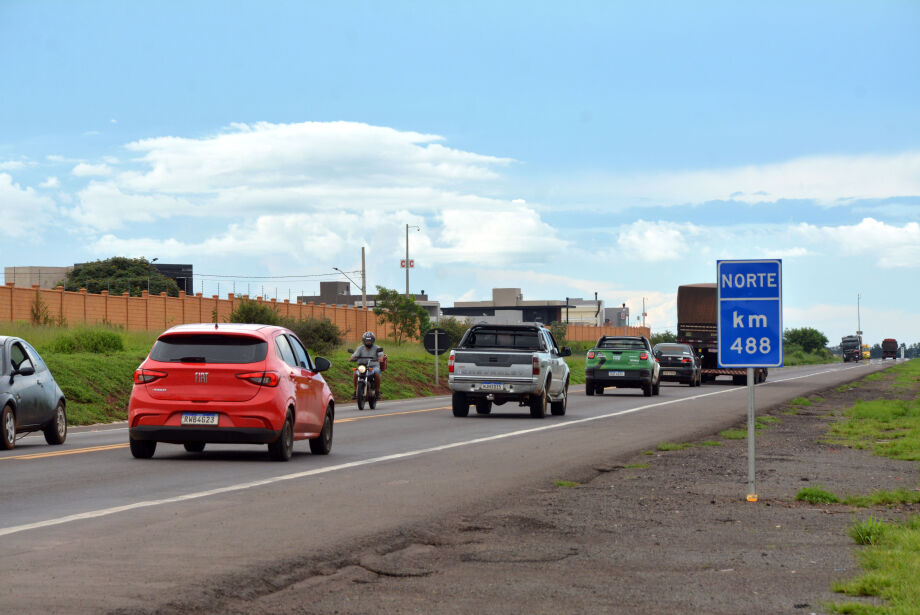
{"x": 30, "y": 398}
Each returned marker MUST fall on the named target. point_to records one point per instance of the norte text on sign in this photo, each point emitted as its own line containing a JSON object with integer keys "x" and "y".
{"x": 750, "y": 314}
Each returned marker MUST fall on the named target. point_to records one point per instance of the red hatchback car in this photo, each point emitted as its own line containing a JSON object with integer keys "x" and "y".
{"x": 230, "y": 383}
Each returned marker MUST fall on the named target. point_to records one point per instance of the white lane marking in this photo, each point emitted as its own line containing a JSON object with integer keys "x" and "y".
{"x": 103, "y": 512}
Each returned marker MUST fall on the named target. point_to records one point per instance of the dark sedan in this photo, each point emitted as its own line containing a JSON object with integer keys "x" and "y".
{"x": 30, "y": 398}
{"x": 678, "y": 363}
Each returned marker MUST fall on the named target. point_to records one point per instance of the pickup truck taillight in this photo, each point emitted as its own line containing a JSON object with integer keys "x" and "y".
{"x": 450, "y": 364}
{"x": 536, "y": 366}
{"x": 643, "y": 356}
{"x": 590, "y": 354}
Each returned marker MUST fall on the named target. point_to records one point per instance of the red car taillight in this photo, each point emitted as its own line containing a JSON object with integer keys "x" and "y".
{"x": 590, "y": 354}
{"x": 686, "y": 360}
{"x": 643, "y": 356}
{"x": 266, "y": 379}
{"x": 146, "y": 376}
{"x": 450, "y": 364}
{"x": 536, "y": 366}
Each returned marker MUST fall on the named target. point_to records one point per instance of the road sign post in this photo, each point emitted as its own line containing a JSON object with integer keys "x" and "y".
{"x": 750, "y": 326}
{"x": 436, "y": 342}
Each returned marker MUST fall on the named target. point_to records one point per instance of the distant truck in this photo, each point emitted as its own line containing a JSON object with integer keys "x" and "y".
{"x": 850, "y": 345}
{"x": 697, "y": 325}
{"x": 889, "y": 348}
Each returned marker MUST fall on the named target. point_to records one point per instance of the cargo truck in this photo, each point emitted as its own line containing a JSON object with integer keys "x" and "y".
{"x": 889, "y": 348}
{"x": 850, "y": 345}
{"x": 697, "y": 325}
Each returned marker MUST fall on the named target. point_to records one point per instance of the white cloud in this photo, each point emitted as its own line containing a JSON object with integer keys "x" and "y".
{"x": 278, "y": 155}
{"x": 495, "y": 235}
{"x": 22, "y": 210}
{"x": 84, "y": 169}
{"x": 894, "y": 246}
{"x": 825, "y": 179}
{"x": 50, "y": 182}
{"x": 656, "y": 241}
{"x": 12, "y": 165}
{"x": 102, "y": 206}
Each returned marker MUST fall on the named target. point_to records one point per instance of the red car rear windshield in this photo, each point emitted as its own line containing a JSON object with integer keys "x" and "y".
{"x": 209, "y": 348}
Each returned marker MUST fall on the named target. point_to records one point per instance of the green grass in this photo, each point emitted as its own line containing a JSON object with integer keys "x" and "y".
{"x": 799, "y": 357}
{"x": 733, "y": 434}
{"x": 891, "y": 559}
{"x": 884, "y": 498}
{"x": 816, "y": 495}
{"x": 800, "y": 401}
{"x": 566, "y": 484}
{"x": 576, "y": 364}
{"x": 711, "y": 443}
{"x": 648, "y": 452}
{"x": 887, "y": 427}
{"x": 637, "y": 466}
{"x": 674, "y": 446}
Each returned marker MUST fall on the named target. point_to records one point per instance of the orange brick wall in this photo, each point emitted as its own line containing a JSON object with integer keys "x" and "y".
{"x": 159, "y": 312}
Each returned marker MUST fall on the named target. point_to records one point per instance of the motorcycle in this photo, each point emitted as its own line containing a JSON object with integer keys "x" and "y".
{"x": 367, "y": 390}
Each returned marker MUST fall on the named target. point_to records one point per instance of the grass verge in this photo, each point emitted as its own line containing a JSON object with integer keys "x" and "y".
{"x": 891, "y": 557}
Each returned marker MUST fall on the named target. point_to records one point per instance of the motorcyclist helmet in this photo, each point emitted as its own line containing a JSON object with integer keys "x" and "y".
{"x": 368, "y": 339}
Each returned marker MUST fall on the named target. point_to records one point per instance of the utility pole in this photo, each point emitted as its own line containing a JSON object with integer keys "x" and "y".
{"x": 858, "y": 321}
{"x": 643, "y": 311}
{"x": 407, "y": 255}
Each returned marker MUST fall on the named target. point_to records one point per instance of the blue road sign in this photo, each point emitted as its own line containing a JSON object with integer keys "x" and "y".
{"x": 750, "y": 315}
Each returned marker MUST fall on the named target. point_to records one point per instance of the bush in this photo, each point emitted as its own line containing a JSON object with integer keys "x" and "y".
{"x": 253, "y": 312}
{"x": 98, "y": 341}
{"x": 320, "y": 335}
{"x": 455, "y": 328}
{"x": 559, "y": 331}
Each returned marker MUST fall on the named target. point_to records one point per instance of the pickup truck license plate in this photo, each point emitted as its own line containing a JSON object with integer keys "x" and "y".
{"x": 491, "y": 386}
{"x": 669, "y": 372}
{"x": 199, "y": 419}
{"x": 616, "y": 373}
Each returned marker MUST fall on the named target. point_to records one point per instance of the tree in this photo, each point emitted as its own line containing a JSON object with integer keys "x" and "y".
{"x": 407, "y": 317}
{"x": 253, "y": 312}
{"x": 666, "y": 337}
{"x": 808, "y": 339}
{"x": 120, "y": 274}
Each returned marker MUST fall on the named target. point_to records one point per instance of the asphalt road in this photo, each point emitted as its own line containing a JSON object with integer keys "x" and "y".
{"x": 86, "y": 527}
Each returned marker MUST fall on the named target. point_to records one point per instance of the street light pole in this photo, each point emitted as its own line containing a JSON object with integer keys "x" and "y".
{"x": 363, "y": 281}
{"x": 152, "y": 261}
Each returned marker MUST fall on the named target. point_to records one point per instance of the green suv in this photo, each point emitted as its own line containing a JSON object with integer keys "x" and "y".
{"x": 623, "y": 362}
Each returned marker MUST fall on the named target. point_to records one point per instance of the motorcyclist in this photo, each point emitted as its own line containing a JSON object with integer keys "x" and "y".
{"x": 370, "y": 354}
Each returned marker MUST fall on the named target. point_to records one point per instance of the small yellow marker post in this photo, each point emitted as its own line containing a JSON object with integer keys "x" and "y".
{"x": 752, "y": 497}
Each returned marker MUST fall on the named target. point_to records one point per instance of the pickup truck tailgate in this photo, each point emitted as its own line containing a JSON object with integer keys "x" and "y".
{"x": 493, "y": 364}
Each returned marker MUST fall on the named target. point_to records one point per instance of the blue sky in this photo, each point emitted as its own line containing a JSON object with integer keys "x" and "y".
{"x": 613, "y": 147}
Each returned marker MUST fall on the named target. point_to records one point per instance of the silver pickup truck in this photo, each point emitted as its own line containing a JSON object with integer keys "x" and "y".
{"x": 502, "y": 363}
